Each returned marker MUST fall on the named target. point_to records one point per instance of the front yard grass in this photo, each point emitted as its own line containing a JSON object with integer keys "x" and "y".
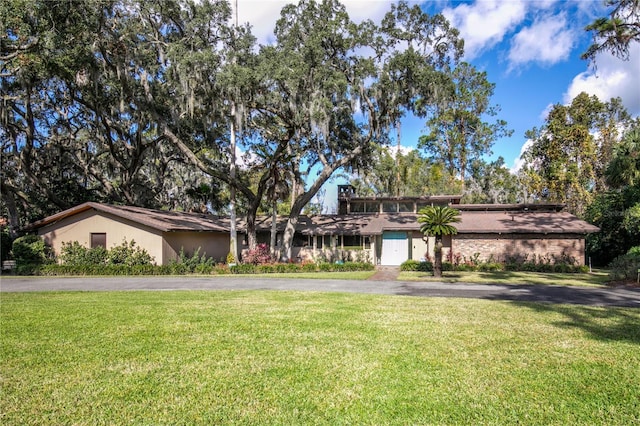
{"x": 239, "y": 357}
{"x": 598, "y": 278}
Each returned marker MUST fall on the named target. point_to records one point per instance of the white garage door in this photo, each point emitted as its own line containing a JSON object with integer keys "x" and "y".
{"x": 395, "y": 248}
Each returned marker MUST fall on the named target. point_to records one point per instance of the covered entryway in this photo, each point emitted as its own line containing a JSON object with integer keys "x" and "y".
{"x": 395, "y": 248}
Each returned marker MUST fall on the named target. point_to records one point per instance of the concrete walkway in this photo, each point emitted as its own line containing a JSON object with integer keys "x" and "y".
{"x": 386, "y": 273}
{"x": 592, "y": 296}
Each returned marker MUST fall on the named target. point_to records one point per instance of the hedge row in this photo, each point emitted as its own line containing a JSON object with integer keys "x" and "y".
{"x": 183, "y": 269}
{"x": 414, "y": 265}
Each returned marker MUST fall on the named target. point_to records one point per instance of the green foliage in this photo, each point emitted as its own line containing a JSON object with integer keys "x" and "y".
{"x": 414, "y": 265}
{"x": 567, "y": 159}
{"x": 437, "y": 220}
{"x": 491, "y": 182}
{"x": 127, "y": 254}
{"x": 615, "y": 32}
{"x": 631, "y": 221}
{"x": 459, "y": 134}
{"x": 194, "y": 263}
{"x": 5, "y": 244}
{"x": 404, "y": 174}
{"x": 625, "y": 267}
{"x": 30, "y": 250}
{"x": 624, "y": 168}
{"x": 614, "y": 212}
{"x": 564, "y": 264}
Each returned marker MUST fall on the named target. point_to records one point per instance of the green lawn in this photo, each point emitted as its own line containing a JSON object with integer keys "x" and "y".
{"x": 598, "y": 278}
{"x": 239, "y": 357}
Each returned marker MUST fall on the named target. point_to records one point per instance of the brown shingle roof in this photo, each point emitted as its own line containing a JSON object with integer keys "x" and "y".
{"x": 523, "y": 222}
{"x": 166, "y": 221}
{"x": 473, "y": 222}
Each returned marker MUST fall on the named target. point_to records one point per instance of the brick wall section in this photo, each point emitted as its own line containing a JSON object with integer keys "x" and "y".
{"x": 502, "y": 246}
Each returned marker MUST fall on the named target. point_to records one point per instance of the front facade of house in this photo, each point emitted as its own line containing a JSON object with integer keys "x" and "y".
{"x": 162, "y": 234}
{"x": 383, "y": 231}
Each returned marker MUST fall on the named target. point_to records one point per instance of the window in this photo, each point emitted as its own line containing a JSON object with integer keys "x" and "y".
{"x": 357, "y": 207}
{"x": 405, "y": 207}
{"x": 300, "y": 240}
{"x": 390, "y": 207}
{"x": 367, "y": 242}
{"x": 352, "y": 241}
{"x": 98, "y": 239}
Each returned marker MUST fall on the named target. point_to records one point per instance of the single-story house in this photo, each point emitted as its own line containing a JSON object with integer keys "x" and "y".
{"x": 161, "y": 233}
{"x": 386, "y": 233}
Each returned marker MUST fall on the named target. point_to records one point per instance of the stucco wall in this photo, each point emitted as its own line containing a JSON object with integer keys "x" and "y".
{"x": 214, "y": 244}
{"x": 419, "y": 246}
{"x": 80, "y": 226}
{"x": 511, "y": 245}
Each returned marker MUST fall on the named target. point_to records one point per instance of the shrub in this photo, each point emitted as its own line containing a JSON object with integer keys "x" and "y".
{"x": 192, "y": 263}
{"x": 30, "y": 250}
{"x": 265, "y": 269}
{"x": 243, "y": 268}
{"x": 129, "y": 254}
{"x": 465, "y": 267}
{"x": 414, "y": 265}
{"x": 74, "y": 253}
{"x": 409, "y": 265}
{"x": 259, "y": 255}
{"x": 308, "y": 267}
{"x": 5, "y": 244}
{"x": 625, "y": 267}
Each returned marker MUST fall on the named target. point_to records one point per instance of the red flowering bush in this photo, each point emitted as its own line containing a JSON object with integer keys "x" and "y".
{"x": 259, "y": 255}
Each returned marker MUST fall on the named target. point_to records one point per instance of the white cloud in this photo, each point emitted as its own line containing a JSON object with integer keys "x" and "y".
{"x": 485, "y": 23}
{"x": 547, "y": 41}
{"x": 263, "y": 14}
{"x": 611, "y": 79}
{"x": 519, "y": 162}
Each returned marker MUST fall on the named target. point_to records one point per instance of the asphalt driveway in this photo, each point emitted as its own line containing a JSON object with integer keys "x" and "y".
{"x": 624, "y": 297}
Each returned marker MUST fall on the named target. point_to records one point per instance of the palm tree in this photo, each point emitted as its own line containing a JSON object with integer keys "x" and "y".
{"x": 624, "y": 168}
{"x": 437, "y": 221}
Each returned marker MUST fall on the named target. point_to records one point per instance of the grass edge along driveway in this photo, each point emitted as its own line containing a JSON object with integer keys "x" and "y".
{"x": 598, "y": 278}
{"x": 263, "y": 357}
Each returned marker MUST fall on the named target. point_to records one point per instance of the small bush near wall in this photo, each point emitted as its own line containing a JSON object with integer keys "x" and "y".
{"x": 127, "y": 253}
{"x": 30, "y": 250}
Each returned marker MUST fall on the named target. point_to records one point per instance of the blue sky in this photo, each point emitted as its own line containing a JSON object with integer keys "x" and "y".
{"x": 530, "y": 49}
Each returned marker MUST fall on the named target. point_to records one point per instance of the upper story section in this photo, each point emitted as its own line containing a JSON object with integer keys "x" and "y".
{"x": 348, "y": 203}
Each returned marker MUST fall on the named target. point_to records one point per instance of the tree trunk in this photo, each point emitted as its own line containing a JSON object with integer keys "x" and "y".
{"x": 304, "y": 198}
{"x": 289, "y": 231}
{"x": 437, "y": 254}
{"x": 274, "y": 230}
{"x": 252, "y": 240}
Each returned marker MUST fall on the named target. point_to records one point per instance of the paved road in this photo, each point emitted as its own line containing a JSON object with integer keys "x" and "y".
{"x": 627, "y": 297}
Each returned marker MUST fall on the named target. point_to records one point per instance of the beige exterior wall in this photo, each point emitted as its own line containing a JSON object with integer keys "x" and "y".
{"x": 79, "y": 228}
{"x": 512, "y": 245}
{"x": 423, "y": 247}
{"x": 214, "y": 244}
{"x": 420, "y": 246}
